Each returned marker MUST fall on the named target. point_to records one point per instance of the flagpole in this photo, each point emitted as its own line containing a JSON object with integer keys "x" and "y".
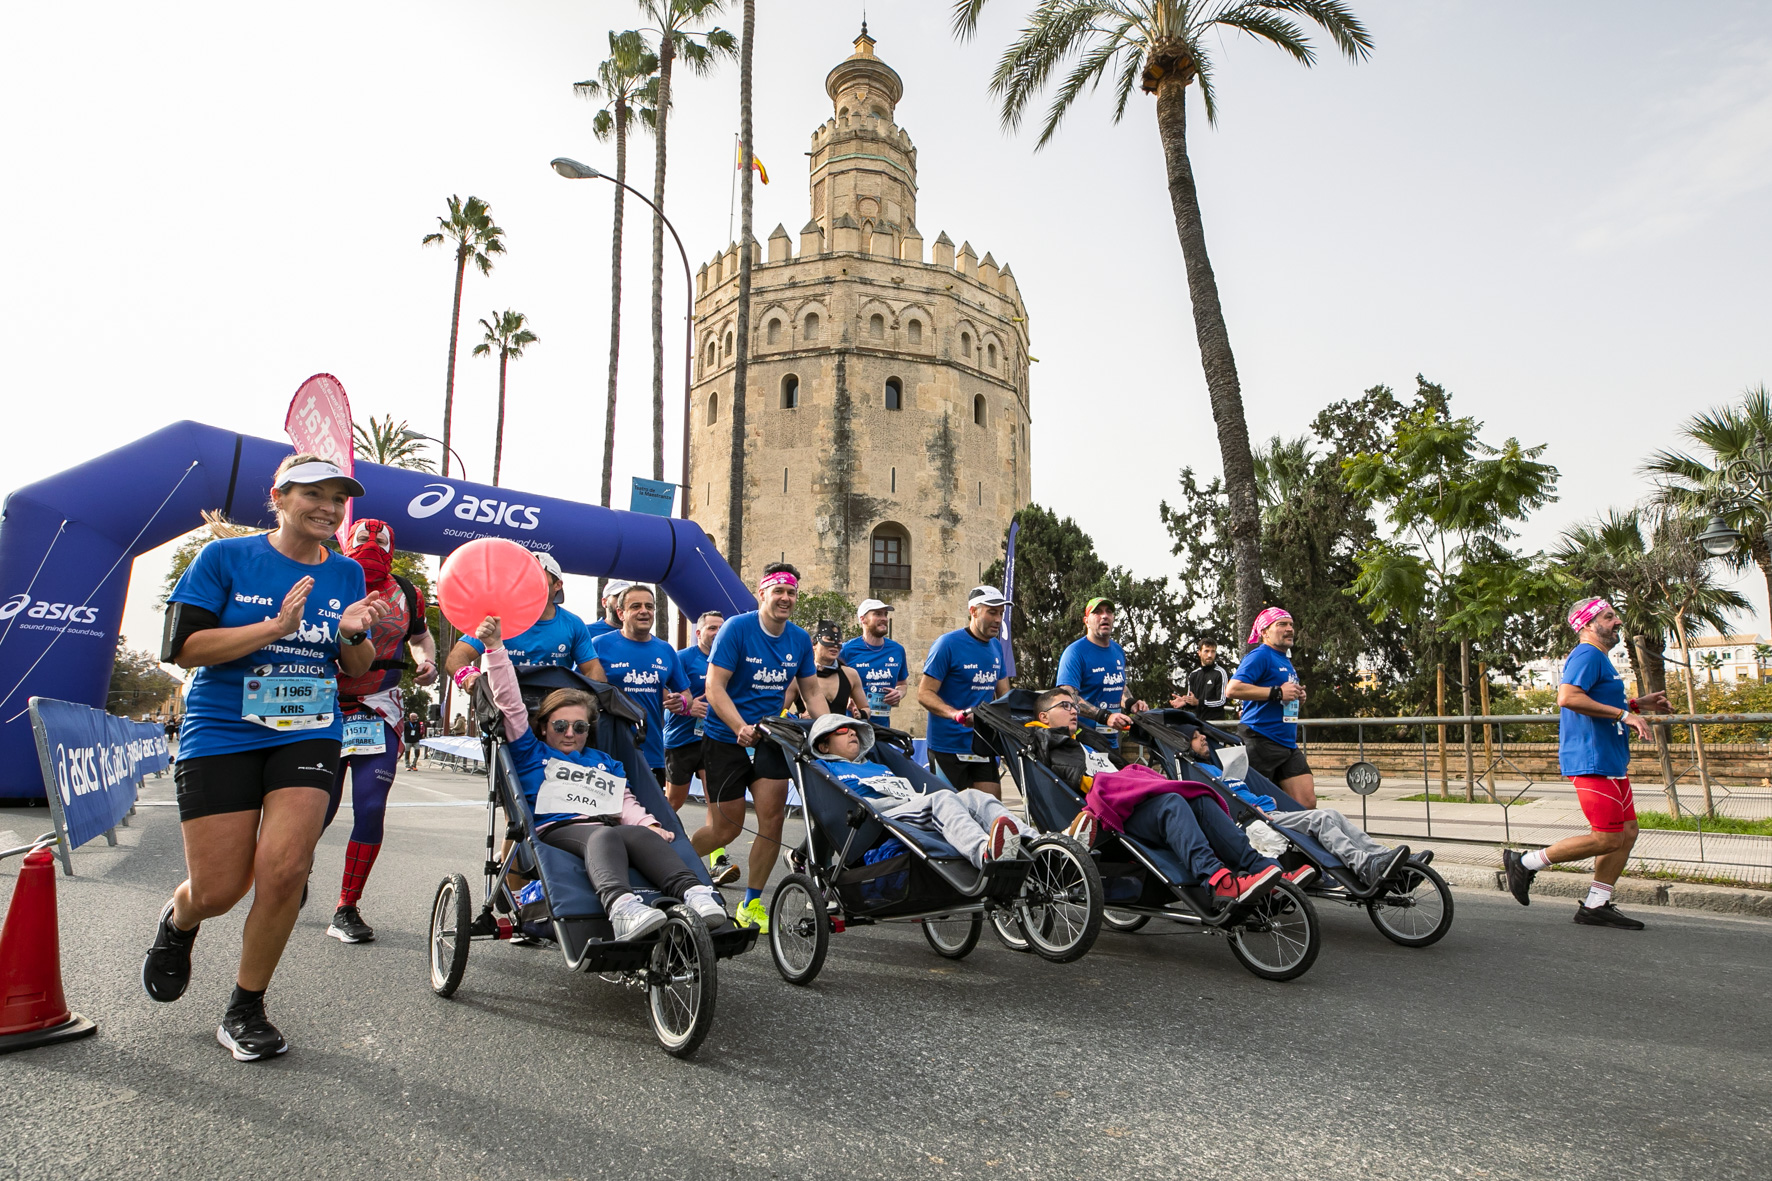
{"x": 732, "y": 190}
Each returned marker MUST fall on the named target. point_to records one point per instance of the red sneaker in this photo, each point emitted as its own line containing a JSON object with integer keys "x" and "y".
{"x": 1302, "y": 874}
{"x": 1004, "y": 840}
{"x": 1233, "y": 887}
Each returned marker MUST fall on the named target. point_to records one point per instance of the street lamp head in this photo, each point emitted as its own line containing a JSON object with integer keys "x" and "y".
{"x": 573, "y": 170}
{"x": 412, "y": 436}
{"x": 1718, "y": 539}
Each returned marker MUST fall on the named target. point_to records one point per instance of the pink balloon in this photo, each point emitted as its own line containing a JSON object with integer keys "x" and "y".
{"x": 492, "y": 576}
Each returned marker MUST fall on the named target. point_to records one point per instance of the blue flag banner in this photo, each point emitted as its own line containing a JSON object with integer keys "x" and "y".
{"x": 653, "y": 496}
{"x": 93, "y": 763}
{"x": 1009, "y": 593}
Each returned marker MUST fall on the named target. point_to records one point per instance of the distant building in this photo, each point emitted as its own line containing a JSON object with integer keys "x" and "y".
{"x": 1736, "y": 655}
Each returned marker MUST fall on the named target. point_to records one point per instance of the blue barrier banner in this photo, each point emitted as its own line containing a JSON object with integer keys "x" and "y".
{"x": 93, "y": 763}
{"x": 655, "y": 497}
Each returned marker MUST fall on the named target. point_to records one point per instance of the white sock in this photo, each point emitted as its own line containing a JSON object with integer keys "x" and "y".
{"x": 1535, "y": 860}
{"x": 1598, "y": 894}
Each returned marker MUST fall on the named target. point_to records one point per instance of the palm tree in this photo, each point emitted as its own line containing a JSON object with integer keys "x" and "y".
{"x": 1762, "y": 653}
{"x": 741, "y": 368}
{"x": 507, "y": 334}
{"x": 1696, "y": 488}
{"x": 700, "y": 50}
{"x": 1163, "y": 46}
{"x": 384, "y": 441}
{"x": 1710, "y": 662}
{"x": 469, "y": 227}
{"x": 627, "y": 82}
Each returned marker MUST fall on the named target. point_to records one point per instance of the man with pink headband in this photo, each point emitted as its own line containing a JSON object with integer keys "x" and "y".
{"x": 1268, "y": 685}
{"x": 1593, "y": 747}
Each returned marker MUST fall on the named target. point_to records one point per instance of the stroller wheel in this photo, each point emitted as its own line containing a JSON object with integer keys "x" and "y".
{"x": 799, "y": 929}
{"x": 1120, "y": 920}
{"x": 681, "y": 982}
{"x": 1280, "y": 940}
{"x": 954, "y": 935}
{"x": 1061, "y": 900}
{"x": 1416, "y": 910}
{"x": 451, "y": 917}
{"x": 1007, "y": 928}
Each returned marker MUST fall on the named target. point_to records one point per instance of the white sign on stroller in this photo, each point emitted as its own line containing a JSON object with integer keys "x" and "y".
{"x": 578, "y": 789}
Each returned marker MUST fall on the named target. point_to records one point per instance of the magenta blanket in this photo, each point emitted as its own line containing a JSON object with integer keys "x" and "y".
{"x": 1114, "y": 794}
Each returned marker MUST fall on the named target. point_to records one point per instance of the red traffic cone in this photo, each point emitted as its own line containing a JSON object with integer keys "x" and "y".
{"x": 33, "y": 1010}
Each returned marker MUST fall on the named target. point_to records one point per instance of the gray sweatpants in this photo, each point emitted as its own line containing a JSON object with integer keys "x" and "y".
{"x": 964, "y": 818}
{"x": 1337, "y": 834}
{"x": 609, "y": 849}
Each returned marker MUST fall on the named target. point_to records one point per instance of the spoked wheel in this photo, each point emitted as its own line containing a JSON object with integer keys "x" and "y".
{"x": 799, "y": 929}
{"x": 682, "y": 982}
{"x": 451, "y": 916}
{"x": 954, "y": 935}
{"x": 1417, "y": 909}
{"x": 1280, "y": 940}
{"x": 1120, "y": 920}
{"x": 1007, "y": 928}
{"x": 1061, "y": 900}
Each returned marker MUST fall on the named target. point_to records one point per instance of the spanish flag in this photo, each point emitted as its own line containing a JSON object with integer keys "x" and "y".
{"x": 756, "y": 161}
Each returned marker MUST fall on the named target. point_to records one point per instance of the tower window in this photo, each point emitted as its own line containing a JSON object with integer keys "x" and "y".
{"x": 729, "y": 344}
{"x": 978, "y": 409}
{"x": 713, "y": 409}
{"x": 889, "y": 567}
{"x": 914, "y": 331}
{"x": 965, "y": 344}
{"x": 894, "y": 394}
{"x": 713, "y": 352}
{"x": 790, "y": 393}
{"x": 774, "y": 330}
{"x": 811, "y": 325}
{"x": 990, "y": 355}
{"x": 877, "y": 327}
{"x": 895, "y": 481}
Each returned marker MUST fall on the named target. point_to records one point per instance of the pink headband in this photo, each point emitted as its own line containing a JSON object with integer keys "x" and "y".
{"x": 1586, "y": 612}
{"x": 1265, "y": 620}
{"x": 779, "y": 578}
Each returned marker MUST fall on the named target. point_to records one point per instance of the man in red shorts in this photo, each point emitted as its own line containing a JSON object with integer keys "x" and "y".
{"x": 1594, "y": 750}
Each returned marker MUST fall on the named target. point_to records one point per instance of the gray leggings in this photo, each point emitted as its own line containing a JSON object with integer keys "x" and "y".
{"x": 609, "y": 849}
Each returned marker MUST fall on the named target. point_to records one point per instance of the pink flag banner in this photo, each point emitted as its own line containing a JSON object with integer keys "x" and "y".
{"x": 319, "y": 422}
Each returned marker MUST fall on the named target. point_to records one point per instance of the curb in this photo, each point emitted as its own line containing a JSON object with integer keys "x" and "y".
{"x": 1633, "y": 891}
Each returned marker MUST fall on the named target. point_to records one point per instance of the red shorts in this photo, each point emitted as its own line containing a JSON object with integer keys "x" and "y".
{"x": 1607, "y": 803}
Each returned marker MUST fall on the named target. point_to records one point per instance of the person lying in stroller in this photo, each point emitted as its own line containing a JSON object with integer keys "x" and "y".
{"x": 1372, "y": 861}
{"x": 976, "y": 824}
{"x": 582, "y": 804}
{"x": 1191, "y": 819}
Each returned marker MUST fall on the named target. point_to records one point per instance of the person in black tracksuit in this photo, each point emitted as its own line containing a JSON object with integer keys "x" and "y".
{"x": 1205, "y": 686}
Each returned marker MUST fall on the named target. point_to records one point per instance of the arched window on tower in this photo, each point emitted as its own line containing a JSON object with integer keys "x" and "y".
{"x": 965, "y": 344}
{"x": 894, "y": 394}
{"x": 889, "y": 563}
{"x": 914, "y": 333}
{"x": 713, "y": 408}
{"x": 773, "y": 333}
{"x": 729, "y": 344}
{"x": 713, "y": 353}
{"x": 811, "y": 326}
{"x": 978, "y": 409}
{"x": 990, "y": 355}
{"x": 877, "y": 326}
{"x": 790, "y": 392}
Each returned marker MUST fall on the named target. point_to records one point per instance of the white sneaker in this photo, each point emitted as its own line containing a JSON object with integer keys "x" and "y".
{"x": 632, "y": 918}
{"x": 706, "y": 902}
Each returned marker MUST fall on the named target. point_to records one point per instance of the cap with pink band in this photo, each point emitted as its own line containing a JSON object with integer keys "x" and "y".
{"x": 1265, "y": 620}
{"x": 1586, "y": 612}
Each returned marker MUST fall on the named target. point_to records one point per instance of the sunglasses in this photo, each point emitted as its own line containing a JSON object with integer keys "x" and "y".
{"x": 565, "y": 727}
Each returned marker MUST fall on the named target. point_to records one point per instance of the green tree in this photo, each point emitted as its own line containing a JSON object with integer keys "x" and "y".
{"x": 1056, "y": 572}
{"x": 1762, "y": 653}
{"x": 628, "y": 83}
{"x": 673, "y": 22}
{"x": 1710, "y": 662}
{"x": 506, "y": 334}
{"x": 384, "y": 441}
{"x": 470, "y": 232}
{"x": 813, "y": 607}
{"x": 1163, "y": 47}
{"x": 138, "y": 683}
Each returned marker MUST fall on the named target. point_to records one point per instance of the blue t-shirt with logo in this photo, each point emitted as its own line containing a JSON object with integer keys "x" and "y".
{"x": 1593, "y": 746}
{"x": 871, "y": 781}
{"x": 679, "y": 728}
{"x": 600, "y": 628}
{"x": 644, "y": 670}
{"x": 1099, "y": 674}
{"x": 968, "y": 669}
{"x": 761, "y": 665}
{"x": 881, "y": 670}
{"x": 292, "y": 682}
{"x": 1266, "y": 667}
{"x": 531, "y": 756}
{"x": 563, "y": 641}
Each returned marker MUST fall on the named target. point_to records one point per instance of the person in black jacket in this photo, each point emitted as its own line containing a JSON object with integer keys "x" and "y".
{"x": 1205, "y": 686}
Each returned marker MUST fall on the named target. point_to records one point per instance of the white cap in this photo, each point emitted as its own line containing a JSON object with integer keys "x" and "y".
{"x": 549, "y": 563}
{"x": 871, "y": 605}
{"x": 614, "y": 589}
{"x": 986, "y": 596}
{"x": 829, "y": 722}
{"x": 318, "y": 471}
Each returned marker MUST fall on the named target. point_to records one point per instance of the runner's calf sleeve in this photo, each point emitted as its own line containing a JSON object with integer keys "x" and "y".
{"x": 359, "y": 860}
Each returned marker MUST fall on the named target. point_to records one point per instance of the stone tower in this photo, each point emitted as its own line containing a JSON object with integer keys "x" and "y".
{"x": 887, "y": 413}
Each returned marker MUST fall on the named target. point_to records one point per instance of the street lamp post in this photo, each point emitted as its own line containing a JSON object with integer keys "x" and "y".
{"x": 413, "y": 436}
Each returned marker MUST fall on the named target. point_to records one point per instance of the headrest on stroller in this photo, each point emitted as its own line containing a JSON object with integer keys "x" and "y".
{"x": 829, "y": 724}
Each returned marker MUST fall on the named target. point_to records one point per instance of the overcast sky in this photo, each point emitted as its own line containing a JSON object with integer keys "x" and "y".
{"x": 1558, "y": 211}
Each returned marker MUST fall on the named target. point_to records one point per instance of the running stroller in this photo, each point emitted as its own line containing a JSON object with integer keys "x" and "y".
{"x": 1275, "y": 936}
{"x": 1411, "y": 907}
{"x": 674, "y": 965}
{"x": 858, "y": 867}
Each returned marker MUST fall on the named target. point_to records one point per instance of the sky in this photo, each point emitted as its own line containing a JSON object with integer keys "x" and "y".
{"x": 1556, "y": 211}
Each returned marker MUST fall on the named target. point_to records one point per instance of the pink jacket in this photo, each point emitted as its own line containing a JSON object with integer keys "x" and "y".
{"x": 497, "y": 665}
{"x": 1114, "y": 794}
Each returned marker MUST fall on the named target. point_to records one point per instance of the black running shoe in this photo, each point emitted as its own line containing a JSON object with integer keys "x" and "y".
{"x": 1425, "y": 857}
{"x": 348, "y": 926}
{"x": 1519, "y": 878}
{"x": 166, "y": 971}
{"x": 1605, "y": 916}
{"x": 249, "y": 1035}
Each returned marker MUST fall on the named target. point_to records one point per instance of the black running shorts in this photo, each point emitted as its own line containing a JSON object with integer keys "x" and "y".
{"x": 238, "y": 782}
{"x": 682, "y": 762}
{"x": 1277, "y": 762}
{"x": 963, "y": 773}
{"x": 727, "y": 768}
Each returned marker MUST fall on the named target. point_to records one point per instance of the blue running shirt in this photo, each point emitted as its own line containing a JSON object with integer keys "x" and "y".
{"x": 243, "y": 581}
{"x": 679, "y": 730}
{"x": 881, "y": 670}
{"x": 762, "y": 665}
{"x": 1593, "y": 746}
{"x": 1099, "y": 674}
{"x": 1268, "y": 666}
{"x": 643, "y": 669}
{"x": 968, "y": 669}
{"x": 600, "y": 628}
{"x": 562, "y": 641}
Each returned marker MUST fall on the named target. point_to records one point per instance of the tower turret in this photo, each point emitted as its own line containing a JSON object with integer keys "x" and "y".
{"x": 863, "y": 164}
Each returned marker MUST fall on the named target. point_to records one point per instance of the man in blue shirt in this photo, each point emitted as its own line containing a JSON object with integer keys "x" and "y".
{"x": 882, "y": 662}
{"x": 1593, "y": 747}
{"x": 683, "y": 731}
{"x": 646, "y": 668}
{"x": 1268, "y": 683}
{"x": 558, "y": 638}
{"x": 964, "y": 670}
{"x": 1094, "y": 670}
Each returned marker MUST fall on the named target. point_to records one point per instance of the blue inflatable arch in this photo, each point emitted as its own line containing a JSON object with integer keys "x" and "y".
{"x": 67, "y": 544}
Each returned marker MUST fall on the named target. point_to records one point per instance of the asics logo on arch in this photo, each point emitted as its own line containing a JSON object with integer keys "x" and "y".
{"x": 484, "y": 510}
{"x": 43, "y": 609}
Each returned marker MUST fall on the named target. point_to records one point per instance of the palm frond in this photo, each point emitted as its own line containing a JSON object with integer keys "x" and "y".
{"x": 965, "y": 18}
{"x": 1255, "y": 20}
{"x": 1087, "y": 72}
{"x": 1055, "y": 31}
{"x": 1334, "y": 18}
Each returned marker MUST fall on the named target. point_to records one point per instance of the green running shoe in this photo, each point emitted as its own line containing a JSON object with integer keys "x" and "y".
{"x": 754, "y": 914}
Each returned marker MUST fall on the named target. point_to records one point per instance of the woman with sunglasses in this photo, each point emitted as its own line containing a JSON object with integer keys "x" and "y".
{"x": 582, "y": 804}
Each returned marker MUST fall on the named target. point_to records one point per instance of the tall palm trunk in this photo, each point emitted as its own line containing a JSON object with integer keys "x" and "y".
{"x": 667, "y": 53}
{"x": 498, "y": 442}
{"x": 461, "y": 270}
{"x": 1222, "y": 386}
{"x": 621, "y": 179}
{"x": 735, "y": 497}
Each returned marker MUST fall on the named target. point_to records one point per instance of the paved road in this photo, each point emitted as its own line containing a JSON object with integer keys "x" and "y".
{"x": 1521, "y": 1046}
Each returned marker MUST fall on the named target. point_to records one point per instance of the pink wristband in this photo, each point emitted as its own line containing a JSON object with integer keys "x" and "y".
{"x": 464, "y": 675}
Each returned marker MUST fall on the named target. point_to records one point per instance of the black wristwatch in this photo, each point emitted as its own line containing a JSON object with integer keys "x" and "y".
{"x": 357, "y": 639}
{"x": 1274, "y": 693}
